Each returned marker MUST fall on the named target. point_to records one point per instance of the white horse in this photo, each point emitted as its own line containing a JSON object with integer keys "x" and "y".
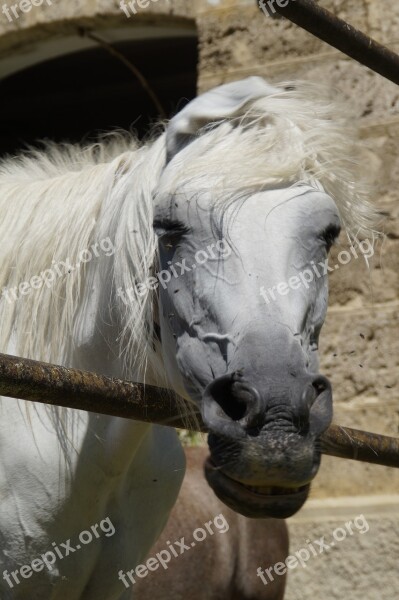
{"x": 245, "y": 189}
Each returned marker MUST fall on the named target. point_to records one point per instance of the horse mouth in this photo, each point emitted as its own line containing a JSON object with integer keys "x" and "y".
{"x": 257, "y": 502}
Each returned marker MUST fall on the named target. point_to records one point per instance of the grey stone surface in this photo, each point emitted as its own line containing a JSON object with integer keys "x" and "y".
{"x": 63, "y": 18}
{"x": 360, "y": 353}
{"x": 359, "y": 566}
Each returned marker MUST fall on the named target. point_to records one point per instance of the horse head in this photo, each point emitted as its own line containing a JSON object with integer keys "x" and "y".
{"x": 245, "y": 298}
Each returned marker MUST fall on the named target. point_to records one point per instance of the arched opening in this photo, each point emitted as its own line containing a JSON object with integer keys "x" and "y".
{"x": 77, "y": 95}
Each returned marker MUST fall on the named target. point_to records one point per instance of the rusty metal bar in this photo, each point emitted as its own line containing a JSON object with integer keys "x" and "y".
{"x": 72, "y": 388}
{"x": 345, "y": 442}
{"x": 337, "y": 33}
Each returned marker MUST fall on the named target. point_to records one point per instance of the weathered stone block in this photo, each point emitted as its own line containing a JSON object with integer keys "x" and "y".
{"x": 360, "y": 352}
{"x": 362, "y": 281}
{"x": 359, "y": 566}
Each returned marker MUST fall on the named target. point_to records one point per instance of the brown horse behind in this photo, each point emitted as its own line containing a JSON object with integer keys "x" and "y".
{"x": 221, "y": 566}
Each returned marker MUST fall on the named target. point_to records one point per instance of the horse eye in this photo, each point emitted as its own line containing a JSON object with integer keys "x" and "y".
{"x": 169, "y": 232}
{"x": 330, "y": 235}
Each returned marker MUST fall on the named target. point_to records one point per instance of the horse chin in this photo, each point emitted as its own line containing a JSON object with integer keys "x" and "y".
{"x": 256, "y": 502}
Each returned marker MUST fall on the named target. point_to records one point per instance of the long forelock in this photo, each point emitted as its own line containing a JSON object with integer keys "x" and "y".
{"x": 297, "y": 135}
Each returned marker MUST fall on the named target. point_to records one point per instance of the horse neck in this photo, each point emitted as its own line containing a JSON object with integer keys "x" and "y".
{"x": 86, "y": 337}
{"x": 113, "y": 442}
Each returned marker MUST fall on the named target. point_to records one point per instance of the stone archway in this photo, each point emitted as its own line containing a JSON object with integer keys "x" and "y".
{"x": 81, "y": 89}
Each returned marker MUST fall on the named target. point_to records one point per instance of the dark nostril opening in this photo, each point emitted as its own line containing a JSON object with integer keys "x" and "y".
{"x": 320, "y": 384}
{"x": 310, "y": 395}
{"x": 230, "y": 402}
{"x": 321, "y": 411}
{"x": 229, "y": 397}
{"x": 312, "y": 391}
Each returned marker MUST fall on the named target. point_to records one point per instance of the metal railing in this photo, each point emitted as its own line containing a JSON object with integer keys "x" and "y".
{"x": 83, "y": 390}
{"x": 338, "y": 33}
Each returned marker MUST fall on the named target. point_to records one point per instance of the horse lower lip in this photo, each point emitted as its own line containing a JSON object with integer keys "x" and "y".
{"x": 262, "y": 490}
{"x": 256, "y": 501}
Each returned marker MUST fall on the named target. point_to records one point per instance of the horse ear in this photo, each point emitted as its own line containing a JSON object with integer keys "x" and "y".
{"x": 223, "y": 102}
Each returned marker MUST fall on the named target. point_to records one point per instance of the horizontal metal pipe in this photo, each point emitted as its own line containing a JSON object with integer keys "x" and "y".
{"x": 338, "y": 33}
{"x": 82, "y": 390}
{"x": 345, "y": 442}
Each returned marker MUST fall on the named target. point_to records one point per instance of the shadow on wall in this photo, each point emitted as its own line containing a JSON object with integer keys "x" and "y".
{"x": 78, "y": 95}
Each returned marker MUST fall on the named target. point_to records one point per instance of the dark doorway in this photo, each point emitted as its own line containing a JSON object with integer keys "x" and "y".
{"x": 79, "y": 95}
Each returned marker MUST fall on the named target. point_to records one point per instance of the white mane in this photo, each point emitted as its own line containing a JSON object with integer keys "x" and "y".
{"x": 68, "y": 198}
{"x": 58, "y": 202}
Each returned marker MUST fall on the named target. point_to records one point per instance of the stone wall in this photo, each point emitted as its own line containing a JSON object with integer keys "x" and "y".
{"x": 358, "y": 562}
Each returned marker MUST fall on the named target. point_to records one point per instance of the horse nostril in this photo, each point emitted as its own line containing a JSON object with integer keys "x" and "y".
{"x": 321, "y": 384}
{"x": 221, "y": 393}
{"x": 308, "y": 405}
{"x": 229, "y": 399}
{"x": 312, "y": 391}
{"x": 321, "y": 409}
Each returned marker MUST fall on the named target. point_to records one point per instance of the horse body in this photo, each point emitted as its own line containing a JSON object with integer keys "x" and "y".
{"x": 243, "y": 165}
{"x": 48, "y": 501}
{"x": 61, "y": 470}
